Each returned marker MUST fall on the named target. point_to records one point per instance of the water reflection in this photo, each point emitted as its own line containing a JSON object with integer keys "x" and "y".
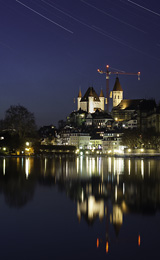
{"x": 4, "y": 166}
{"x": 114, "y": 176}
{"x": 107, "y": 189}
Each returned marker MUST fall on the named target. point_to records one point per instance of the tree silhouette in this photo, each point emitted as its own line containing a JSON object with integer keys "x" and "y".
{"x": 19, "y": 120}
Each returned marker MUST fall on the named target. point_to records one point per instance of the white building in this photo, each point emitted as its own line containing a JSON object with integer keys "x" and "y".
{"x": 112, "y": 142}
{"x": 117, "y": 93}
{"x": 80, "y": 140}
{"x": 130, "y": 124}
{"x": 90, "y": 102}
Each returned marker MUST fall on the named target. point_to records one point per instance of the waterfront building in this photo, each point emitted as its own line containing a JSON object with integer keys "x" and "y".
{"x": 112, "y": 142}
{"x": 80, "y": 140}
{"x": 65, "y": 135}
{"x": 96, "y": 142}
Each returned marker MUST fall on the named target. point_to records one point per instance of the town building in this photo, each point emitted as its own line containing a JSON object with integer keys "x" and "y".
{"x": 112, "y": 142}
{"x": 96, "y": 142}
{"x": 80, "y": 140}
{"x": 99, "y": 119}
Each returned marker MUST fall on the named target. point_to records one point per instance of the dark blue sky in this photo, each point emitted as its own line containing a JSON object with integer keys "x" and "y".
{"x": 50, "y": 49}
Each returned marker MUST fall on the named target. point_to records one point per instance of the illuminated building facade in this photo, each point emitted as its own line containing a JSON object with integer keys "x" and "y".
{"x": 112, "y": 142}
{"x": 117, "y": 93}
{"x": 130, "y": 124}
{"x": 96, "y": 142}
{"x": 99, "y": 119}
{"x": 90, "y": 102}
{"x": 80, "y": 140}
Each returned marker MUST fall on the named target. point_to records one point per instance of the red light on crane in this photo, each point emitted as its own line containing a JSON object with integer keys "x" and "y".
{"x": 108, "y": 73}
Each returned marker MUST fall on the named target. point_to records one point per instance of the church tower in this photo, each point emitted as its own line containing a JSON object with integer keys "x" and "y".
{"x": 79, "y": 99}
{"x": 117, "y": 93}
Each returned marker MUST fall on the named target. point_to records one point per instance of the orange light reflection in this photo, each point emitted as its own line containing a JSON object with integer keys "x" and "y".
{"x": 107, "y": 247}
{"x": 139, "y": 240}
{"x": 97, "y": 242}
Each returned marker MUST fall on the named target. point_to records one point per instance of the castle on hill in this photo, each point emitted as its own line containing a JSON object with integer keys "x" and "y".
{"x": 91, "y": 102}
{"x": 139, "y": 113}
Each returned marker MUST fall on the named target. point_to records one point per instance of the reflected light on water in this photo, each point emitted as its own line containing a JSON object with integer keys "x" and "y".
{"x": 45, "y": 165}
{"x": 136, "y": 167}
{"x": 81, "y": 164}
{"x": 4, "y": 166}
{"x": 114, "y": 168}
{"x": 109, "y": 165}
{"x": 67, "y": 170}
{"x": 99, "y": 165}
{"x": 107, "y": 247}
{"x": 142, "y": 168}
{"x": 87, "y": 167}
{"x": 82, "y": 195}
{"x": 90, "y": 166}
{"x": 129, "y": 167}
{"x": 22, "y": 163}
{"x": 27, "y": 167}
{"x": 149, "y": 168}
{"x": 97, "y": 242}
{"x": 116, "y": 193}
{"x": 123, "y": 188}
{"x": 77, "y": 165}
{"x": 139, "y": 240}
{"x": 93, "y": 165}
{"x": 91, "y": 208}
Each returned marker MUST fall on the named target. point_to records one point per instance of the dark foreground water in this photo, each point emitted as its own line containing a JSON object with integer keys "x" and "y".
{"x": 79, "y": 208}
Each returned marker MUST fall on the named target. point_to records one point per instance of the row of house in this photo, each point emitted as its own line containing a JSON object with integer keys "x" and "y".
{"x": 104, "y": 141}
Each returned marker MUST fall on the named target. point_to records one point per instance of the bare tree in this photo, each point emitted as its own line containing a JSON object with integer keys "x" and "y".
{"x": 19, "y": 120}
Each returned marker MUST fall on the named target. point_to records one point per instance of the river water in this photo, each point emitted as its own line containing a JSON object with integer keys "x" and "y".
{"x": 79, "y": 208}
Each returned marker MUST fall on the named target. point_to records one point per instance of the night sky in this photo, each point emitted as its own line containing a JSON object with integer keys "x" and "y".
{"x": 50, "y": 49}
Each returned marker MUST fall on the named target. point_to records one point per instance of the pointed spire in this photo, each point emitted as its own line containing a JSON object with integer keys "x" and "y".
{"x": 117, "y": 85}
{"x": 80, "y": 93}
{"x": 101, "y": 93}
{"x": 91, "y": 92}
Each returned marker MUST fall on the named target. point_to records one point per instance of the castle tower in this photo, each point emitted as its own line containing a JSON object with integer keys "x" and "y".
{"x": 117, "y": 93}
{"x": 101, "y": 98}
{"x": 91, "y": 102}
{"x": 79, "y": 99}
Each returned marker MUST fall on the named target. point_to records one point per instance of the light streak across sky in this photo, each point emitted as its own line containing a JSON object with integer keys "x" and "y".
{"x": 113, "y": 17}
{"x": 147, "y": 9}
{"x": 62, "y": 27}
{"x": 43, "y": 65}
{"x": 99, "y": 31}
{"x": 94, "y": 28}
{"x": 124, "y": 43}
{"x": 70, "y": 16}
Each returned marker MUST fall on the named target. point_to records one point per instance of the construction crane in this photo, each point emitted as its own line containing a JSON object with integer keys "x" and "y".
{"x": 108, "y": 73}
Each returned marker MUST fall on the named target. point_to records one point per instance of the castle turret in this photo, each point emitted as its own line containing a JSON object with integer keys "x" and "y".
{"x": 79, "y": 99}
{"x": 101, "y": 98}
{"x": 91, "y": 101}
{"x": 117, "y": 93}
